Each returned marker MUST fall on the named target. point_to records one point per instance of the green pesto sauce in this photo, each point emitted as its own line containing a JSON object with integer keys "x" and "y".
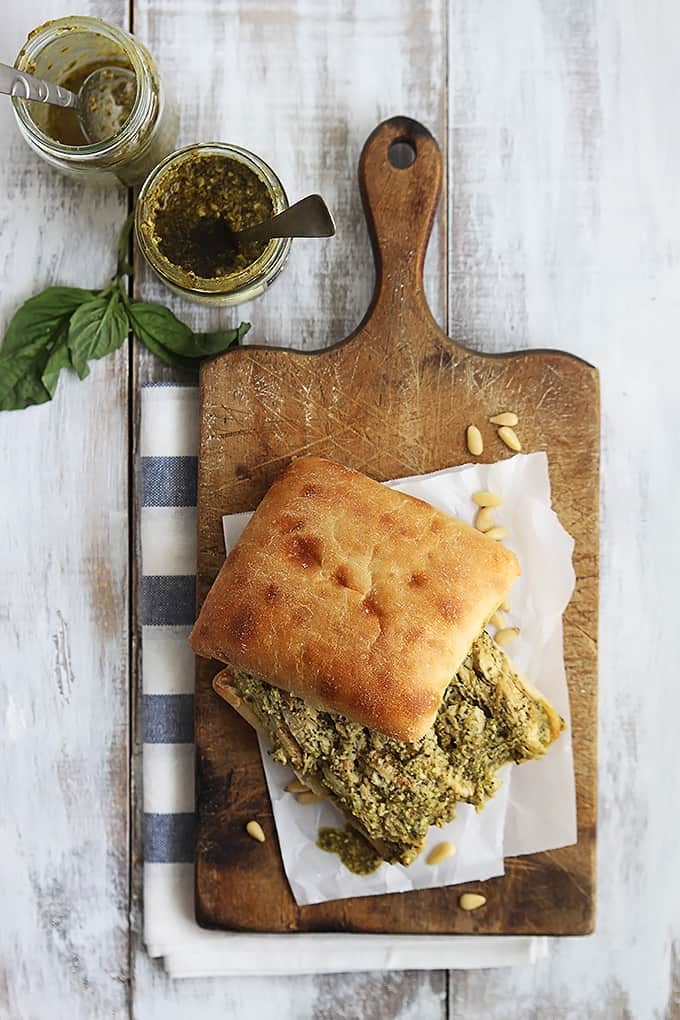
{"x": 354, "y": 851}
{"x": 396, "y": 790}
{"x": 203, "y": 201}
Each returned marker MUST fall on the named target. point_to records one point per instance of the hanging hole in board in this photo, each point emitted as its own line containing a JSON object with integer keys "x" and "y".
{"x": 401, "y": 154}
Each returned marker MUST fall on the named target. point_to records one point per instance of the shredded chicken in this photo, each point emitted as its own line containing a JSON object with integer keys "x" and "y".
{"x": 393, "y": 791}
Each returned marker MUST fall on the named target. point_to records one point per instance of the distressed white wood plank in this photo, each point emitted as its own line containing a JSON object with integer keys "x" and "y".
{"x": 392, "y": 996}
{"x": 564, "y": 154}
{"x": 63, "y": 610}
{"x": 303, "y": 85}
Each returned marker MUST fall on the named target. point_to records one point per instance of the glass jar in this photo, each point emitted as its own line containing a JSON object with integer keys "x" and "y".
{"x": 65, "y": 50}
{"x": 234, "y": 288}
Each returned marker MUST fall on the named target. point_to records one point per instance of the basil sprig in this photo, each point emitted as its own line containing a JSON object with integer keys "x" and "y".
{"x": 67, "y": 327}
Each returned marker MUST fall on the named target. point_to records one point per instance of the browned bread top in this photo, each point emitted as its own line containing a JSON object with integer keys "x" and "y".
{"x": 358, "y": 598}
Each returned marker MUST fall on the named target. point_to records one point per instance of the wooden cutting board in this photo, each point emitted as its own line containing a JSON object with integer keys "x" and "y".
{"x": 392, "y": 399}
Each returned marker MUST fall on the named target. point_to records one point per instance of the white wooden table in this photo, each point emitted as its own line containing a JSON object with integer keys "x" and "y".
{"x": 561, "y": 228}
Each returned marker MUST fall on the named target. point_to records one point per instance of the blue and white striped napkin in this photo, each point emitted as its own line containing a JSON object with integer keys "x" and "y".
{"x": 168, "y": 448}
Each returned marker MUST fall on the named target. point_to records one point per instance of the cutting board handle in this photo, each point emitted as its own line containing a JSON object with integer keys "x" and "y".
{"x": 400, "y": 202}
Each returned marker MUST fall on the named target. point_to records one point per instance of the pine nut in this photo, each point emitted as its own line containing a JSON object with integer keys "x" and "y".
{"x": 255, "y": 831}
{"x": 506, "y": 635}
{"x": 505, "y": 606}
{"x": 484, "y": 518}
{"x": 296, "y": 787}
{"x": 471, "y": 901}
{"x": 498, "y": 620}
{"x": 308, "y": 797}
{"x": 475, "y": 443}
{"x": 498, "y": 533}
{"x": 506, "y": 418}
{"x": 510, "y": 438}
{"x": 440, "y": 852}
{"x": 485, "y": 498}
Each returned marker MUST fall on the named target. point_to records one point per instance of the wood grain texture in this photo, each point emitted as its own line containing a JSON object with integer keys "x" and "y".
{"x": 564, "y": 149}
{"x": 63, "y": 611}
{"x": 393, "y": 399}
{"x": 303, "y": 87}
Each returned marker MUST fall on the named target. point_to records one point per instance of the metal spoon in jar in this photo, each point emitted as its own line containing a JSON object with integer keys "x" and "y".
{"x": 310, "y": 217}
{"x": 103, "y": 102}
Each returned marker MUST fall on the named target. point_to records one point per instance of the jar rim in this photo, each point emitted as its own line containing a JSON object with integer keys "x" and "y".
{"x": 57, "y": 28}
{"x": 269, "y": 262}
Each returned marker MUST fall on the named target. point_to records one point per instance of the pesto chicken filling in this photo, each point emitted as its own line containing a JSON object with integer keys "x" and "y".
{"x": 392, "y": 791}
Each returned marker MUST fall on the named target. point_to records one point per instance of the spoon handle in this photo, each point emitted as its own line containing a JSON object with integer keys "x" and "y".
{"x": 310, "y": 217}
{"x": 25, "y": 86}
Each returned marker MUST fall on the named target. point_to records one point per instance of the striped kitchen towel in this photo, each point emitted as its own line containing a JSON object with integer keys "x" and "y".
{"x": 168, "y": 448}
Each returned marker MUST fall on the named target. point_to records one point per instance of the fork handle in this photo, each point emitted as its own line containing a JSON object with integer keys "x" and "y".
{"x": 25, "y": 86}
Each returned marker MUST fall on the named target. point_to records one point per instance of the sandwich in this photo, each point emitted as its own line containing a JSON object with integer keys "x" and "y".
{"x": 351, "y": 621}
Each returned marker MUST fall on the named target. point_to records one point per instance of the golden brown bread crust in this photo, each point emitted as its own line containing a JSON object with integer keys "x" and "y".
{"x": 358, "y": 598}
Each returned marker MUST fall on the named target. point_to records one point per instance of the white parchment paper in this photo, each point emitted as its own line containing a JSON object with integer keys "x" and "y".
{"x": 535, "y": 808}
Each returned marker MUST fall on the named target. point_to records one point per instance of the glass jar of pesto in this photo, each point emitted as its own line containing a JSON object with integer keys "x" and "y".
{"x": 65, "y": 51}
{"x": 188, "y": 211}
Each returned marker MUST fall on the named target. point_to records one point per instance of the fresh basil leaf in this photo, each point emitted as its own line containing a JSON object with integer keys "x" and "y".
{"x": 176, "y": 360}
{"x": 42, "y": 316}
{"x": 20, "y": 376}
{"x": 59, "y": 358}
{"x": 158, "y": 323}
{"x": 65, "y": 326}
{"x": 97, "y": 328}
{"x": 32, "y": 353}
{"x": 206, "y": 344}
{"x": 150, "y": 320}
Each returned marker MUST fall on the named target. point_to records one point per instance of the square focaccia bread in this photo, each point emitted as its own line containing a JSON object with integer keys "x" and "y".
{"x": 360, "y": 599}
